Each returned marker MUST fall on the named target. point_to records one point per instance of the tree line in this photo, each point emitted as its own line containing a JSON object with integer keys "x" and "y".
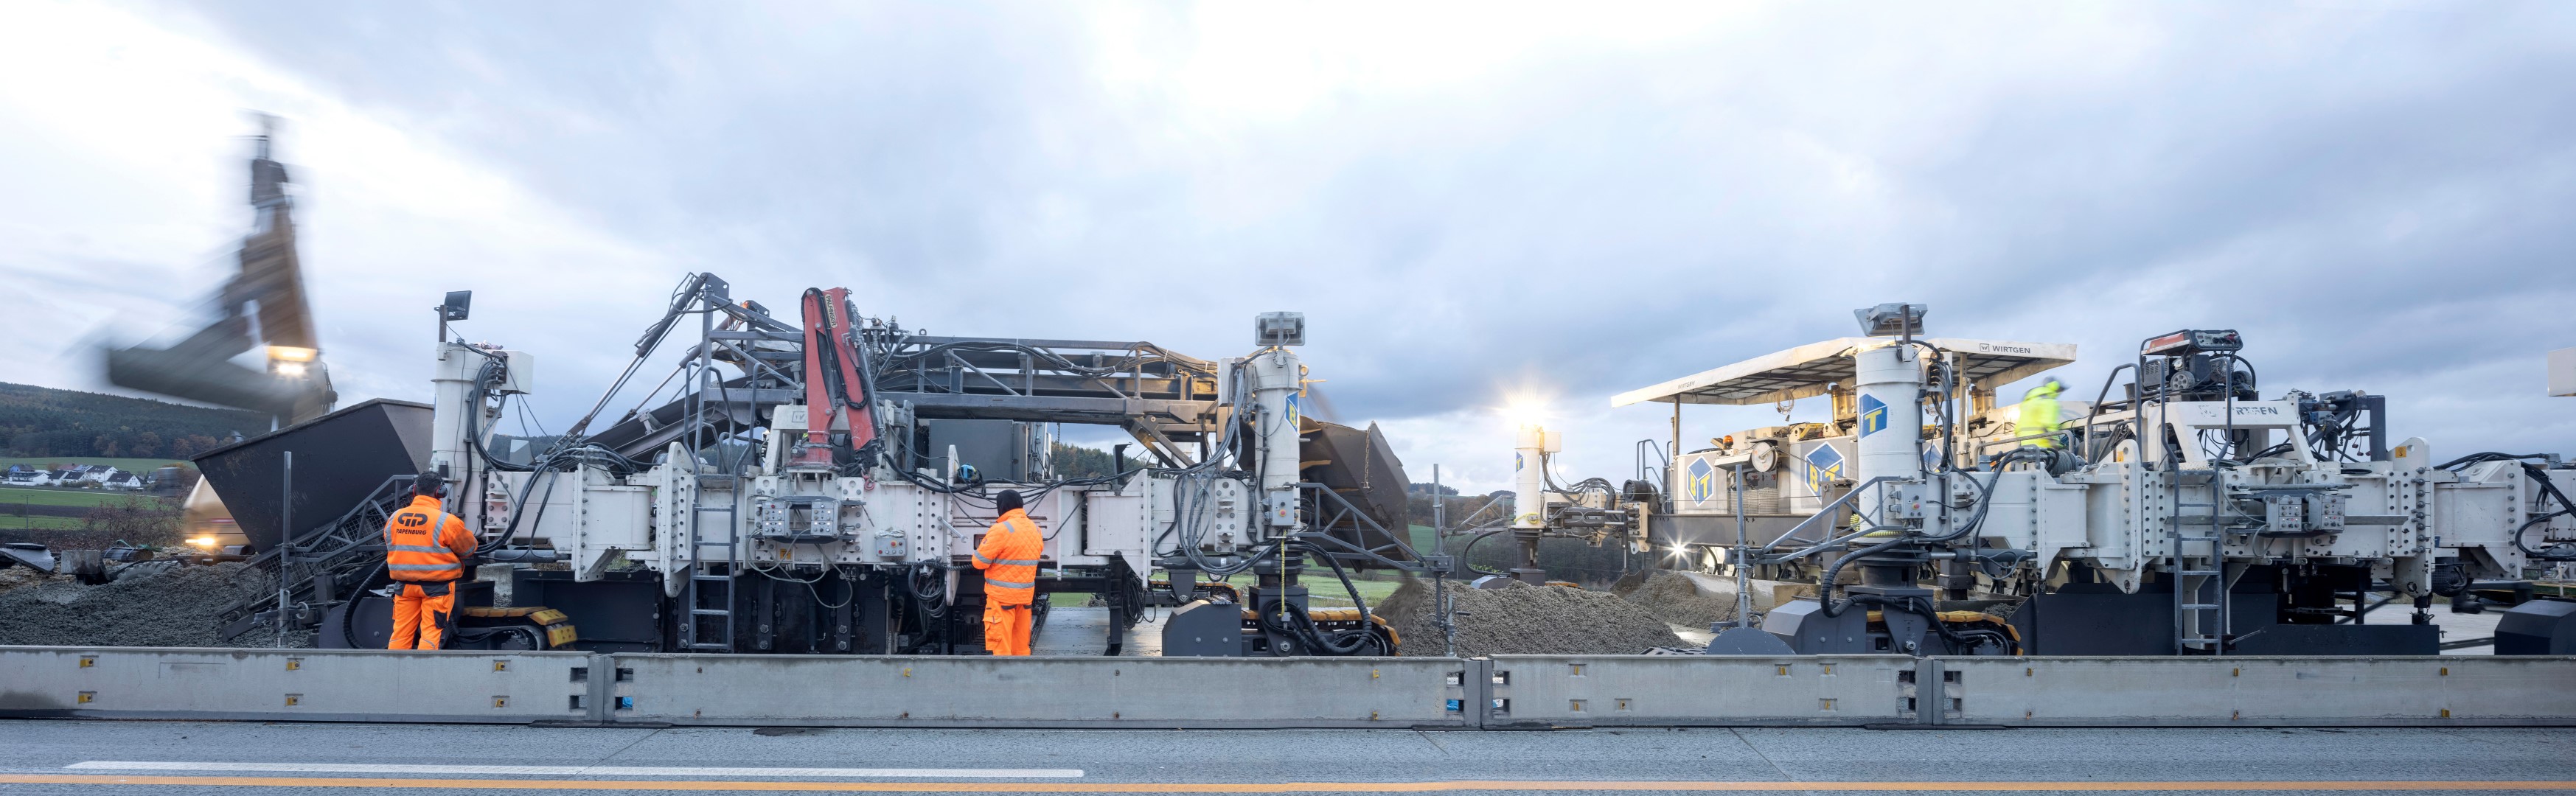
{"x": 42, "y": 421}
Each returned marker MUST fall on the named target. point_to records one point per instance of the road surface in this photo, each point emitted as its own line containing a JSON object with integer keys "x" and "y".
{"x": 93, "y": 758}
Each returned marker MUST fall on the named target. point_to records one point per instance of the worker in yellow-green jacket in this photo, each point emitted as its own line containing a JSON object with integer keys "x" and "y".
{"x": 2038, "y": 414}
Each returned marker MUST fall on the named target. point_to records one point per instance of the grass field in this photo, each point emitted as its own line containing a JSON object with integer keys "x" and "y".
{"x": 1323, "y": 589}
{"x": 11, "y": 495}
{"x": 135, "y": 466}
{"x": 9, "y": 523}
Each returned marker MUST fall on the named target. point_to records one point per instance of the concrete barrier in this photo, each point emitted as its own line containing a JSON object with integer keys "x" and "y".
{"x": 1685, "y": 690}
{"x": 293, "y": 685}
{"x": 1502, "y": 692}
{"x": 2258, "y": 691}
{"x": 891, "y": 691}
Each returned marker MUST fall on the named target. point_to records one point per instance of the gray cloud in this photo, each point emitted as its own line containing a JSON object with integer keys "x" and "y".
{"x": 2376, "y": 195}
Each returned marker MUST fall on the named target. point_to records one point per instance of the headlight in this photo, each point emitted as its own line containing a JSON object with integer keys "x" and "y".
{"x": 203, "y": 541}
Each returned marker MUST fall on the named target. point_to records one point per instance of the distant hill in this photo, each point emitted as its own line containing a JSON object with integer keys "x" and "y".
{"x": 42, "y": 422}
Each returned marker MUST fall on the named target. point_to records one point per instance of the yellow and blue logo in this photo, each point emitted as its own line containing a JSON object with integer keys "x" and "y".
{"x": 1702, "y": 483}
{"x": 1292, "y": 410}
{"x": 1516, "y": 461}
{"x": 1824, "y": 465}
{"x": 1873, "y": 415}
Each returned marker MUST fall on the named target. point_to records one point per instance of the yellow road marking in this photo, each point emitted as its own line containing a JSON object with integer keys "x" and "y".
{"x": 1271, "y": 787}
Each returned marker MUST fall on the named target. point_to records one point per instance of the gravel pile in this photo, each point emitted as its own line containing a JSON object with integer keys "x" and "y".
{"x": 1525, "y": 620}
{"x": 150, "y": 606}
{"x": 1674, "y": 597}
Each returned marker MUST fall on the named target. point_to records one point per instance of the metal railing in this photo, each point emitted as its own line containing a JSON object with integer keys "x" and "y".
{"x": 1827, "y": 515}
{"x": 337, "y": 550}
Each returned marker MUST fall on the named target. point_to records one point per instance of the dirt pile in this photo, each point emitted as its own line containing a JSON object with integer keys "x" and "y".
{"x": 13, "y": 578}
{"x": 1525, "y": 620}
{"x": 150, "y": 606}
{"x": 1674, "y": 597}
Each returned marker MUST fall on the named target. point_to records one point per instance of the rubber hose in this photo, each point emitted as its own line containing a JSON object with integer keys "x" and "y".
{"x": 1825, "y": 583}
{"x": 349, "y": 610}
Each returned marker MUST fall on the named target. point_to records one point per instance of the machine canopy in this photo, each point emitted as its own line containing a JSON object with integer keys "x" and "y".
{"x": 1805, "y": 371}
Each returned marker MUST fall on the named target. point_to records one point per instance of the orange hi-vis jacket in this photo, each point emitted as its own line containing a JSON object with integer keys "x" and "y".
{"x": 425, "y": 544}
{"x": 1009, "y": 559}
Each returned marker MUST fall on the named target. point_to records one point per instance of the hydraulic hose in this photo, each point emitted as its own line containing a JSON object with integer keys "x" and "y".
{"x": 2096, "y": 410}
{"x": 1985, "y": 495}
{"x": 2565, "y": 508}
{"x": 1345, "y": 577}
{"x": 1825, "y": 583}
{"x": 929, "y": 589}
{"x": 1465, "y": 554}
{"x": 349, "y": 610}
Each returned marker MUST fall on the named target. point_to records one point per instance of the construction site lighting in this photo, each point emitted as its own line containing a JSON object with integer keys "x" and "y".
{"x": 288, "y": 353}
{"x": 1524, "y": 411}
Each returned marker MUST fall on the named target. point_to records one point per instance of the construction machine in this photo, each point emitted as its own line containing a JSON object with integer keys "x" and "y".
{"x": 2182, "y": 513}
{"x": 815, "y": 482}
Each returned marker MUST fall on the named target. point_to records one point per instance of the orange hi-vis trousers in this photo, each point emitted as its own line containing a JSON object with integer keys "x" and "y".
{"x": 1006, "y": 628}
{"x": 426, "y": 609}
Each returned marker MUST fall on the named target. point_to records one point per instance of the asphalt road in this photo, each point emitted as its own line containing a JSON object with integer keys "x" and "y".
{"x": 98, "y": 757}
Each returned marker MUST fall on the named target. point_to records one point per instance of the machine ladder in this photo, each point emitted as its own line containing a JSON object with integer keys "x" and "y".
{"x": 2200, "y": 581}
{"x": 710, "y": 596}
{"x": 706, "y": 585}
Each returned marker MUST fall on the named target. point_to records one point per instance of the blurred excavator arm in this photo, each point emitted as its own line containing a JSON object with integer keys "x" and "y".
{"x": 294, "y": 387}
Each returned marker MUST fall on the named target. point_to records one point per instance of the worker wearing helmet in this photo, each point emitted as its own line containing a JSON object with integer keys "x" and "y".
{"x": 2038, "y": 414}
{"x": 1008, "y": 555}
{"x": 426, "y": 550}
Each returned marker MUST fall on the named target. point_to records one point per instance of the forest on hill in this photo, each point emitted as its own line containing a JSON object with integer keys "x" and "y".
{"x": 42, "y": 421}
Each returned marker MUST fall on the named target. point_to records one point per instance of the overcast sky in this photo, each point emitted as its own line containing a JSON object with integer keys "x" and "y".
{"x": 1469, "y": 202}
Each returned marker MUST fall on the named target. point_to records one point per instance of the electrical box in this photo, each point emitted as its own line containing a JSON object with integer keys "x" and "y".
{"x": 2562, "y": 372}
{"x": 1909, "y": 502}
{"x": 518, "y": 372}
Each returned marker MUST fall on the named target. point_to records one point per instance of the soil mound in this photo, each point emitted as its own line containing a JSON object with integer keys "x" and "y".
{"x": 148, "y": 606}
{"x": 1525, "y": 620}
{"x": 1674, "y": 597}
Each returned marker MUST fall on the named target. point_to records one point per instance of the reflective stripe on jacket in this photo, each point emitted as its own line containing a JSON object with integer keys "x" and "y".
{"x": 425, "y": 544}
{"x": 1009, "y": 558}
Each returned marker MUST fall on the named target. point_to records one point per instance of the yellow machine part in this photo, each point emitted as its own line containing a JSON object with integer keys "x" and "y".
{"x": 1966, "y": 618}
{"x": 558, "y": 627}
{"x": 1328, "y": 616}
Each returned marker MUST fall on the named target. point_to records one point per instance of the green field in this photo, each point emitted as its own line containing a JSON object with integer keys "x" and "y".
{"x": 135, "y": 466}
{"x": 10, "y": 523}
{"x": 10, "y": 496}
{"x": 1324, "y": 589}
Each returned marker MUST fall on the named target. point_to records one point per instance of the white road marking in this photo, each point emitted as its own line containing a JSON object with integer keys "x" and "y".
{"x": 603, "y": 771}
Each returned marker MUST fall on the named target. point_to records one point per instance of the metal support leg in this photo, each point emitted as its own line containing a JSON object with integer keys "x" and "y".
{"x": 766, "y": 619}
{"x": 842, "y": 616}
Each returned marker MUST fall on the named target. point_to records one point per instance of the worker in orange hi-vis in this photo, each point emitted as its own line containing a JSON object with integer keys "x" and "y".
{"x": 1009, "y": 558}
{"x": 426, "y": 550}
